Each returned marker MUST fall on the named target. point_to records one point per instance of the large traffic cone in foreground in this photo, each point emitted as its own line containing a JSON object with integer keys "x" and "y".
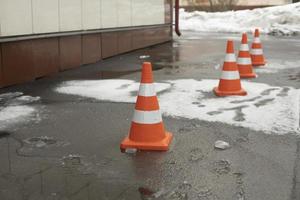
{"x": 230, "y": 83}
{"x": 244, "y": 60}
{"x": 147, "y": 130}
{"x": 257, "y": 54}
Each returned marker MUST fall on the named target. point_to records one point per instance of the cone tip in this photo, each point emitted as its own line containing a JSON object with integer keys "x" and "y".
{"x": 256, "y": 33}
{"x": 147, "y": 73}
{"x": 230, "y": 48}
{"x": 244, "y": 38}
{"x": 147, "y": 65}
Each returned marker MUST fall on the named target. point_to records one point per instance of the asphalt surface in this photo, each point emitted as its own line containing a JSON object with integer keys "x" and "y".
{"x": 82, "y": 159}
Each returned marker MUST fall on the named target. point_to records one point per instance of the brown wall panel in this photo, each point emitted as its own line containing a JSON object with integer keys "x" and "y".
{"x": 109, "y": 44}
{"x": 124, "y": 41}
{"x": 25, "y": 60}
{"x": 91, "y": 48}
{"x": 45, "y": 56}
{"x": 165, "y": 34}
{"x": 17, "y": 62}
{"x": 70, "y": 52}
{"x": 1, "y": 72}
{"x": 138, "y": 39}
{"x": 147, "y": 37}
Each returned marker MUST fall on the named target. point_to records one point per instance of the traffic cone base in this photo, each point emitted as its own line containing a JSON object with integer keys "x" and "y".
{"x": 258, "y": 60}
{"x": 162, "y": 145}
{"x": 251, "y": 75}
{"x": 222, "y": 93}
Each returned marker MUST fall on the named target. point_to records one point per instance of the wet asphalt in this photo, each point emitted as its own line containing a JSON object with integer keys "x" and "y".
{"x": 82, "y": 160}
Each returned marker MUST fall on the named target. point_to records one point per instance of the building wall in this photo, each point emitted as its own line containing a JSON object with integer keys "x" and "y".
{"x": 23, "y": 17}
{"x": 42, "y": 37}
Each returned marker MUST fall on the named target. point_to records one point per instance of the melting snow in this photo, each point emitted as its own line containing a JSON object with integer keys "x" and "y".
{"x": 280, "y": 20}
{"x": 273, "y": 66}
{"x": 266, "y": 108}
{"x": 14, "y": 107}
{"x": 107, "y": 90}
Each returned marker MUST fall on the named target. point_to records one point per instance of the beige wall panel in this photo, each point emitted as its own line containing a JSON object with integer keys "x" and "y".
{"x": 70, "y": 15}
{"x": 45, "y": 16}
{"x": 15, "y": 17}
{"x": 91, "y": 14}
{"x": 124, "y": 13}
{"x": 158, "y": 12}
{"x": 140, "y": 12}
{"x": 109, "y": 14}
{"x": 147, "y": 12}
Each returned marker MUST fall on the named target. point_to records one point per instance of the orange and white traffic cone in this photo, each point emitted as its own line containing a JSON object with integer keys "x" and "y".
{"x": 230, "y": 83}
{"x": 244, "y": 60}
{"x": 257, "y": 54}
{"x": 147, "y": 130}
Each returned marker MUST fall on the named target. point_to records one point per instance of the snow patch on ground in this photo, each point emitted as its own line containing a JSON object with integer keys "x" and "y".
{"x": 107, "y": 90}
{"x": 15, "y": 107}
{"x": 266, "y": 108}
{"x": 277, "y": 20}
{"x": 273, "y": 66}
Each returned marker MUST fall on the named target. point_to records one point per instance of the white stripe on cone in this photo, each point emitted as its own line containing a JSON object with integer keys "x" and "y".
{"x": 230, "y": 75}
{"x": 147, "y": 117}
{"x": 147, "y": 90}
{"x": 244, "y": 61}
{"x": 256, "y": 51}
{"x": 244, "y": 47}
{"x": 230, "y": 57}
{"x": 256, "y": 40}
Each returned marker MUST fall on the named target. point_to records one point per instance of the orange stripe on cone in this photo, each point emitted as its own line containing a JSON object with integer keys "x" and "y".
{"x": 229, "y": 83}
{"x": 257, "y": 55}
{"x": 147, "y": 130}
{"x": 244, "y": 59}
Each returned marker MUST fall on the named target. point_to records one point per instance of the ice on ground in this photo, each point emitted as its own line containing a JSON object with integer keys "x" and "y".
{"x": 278, "y": 20}
{"x": 109, "y": 89}
{"x": 274, "y": 66}
{"x": 266, "y": 108}
{"x": 220, "y": 144}
{"x": 15, "y": 107}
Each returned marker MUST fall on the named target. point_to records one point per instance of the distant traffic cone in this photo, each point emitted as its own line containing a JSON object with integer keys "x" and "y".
{"x": 257, "y": 55}
{"x": 147, "y": 130}
{"x": 230, "y": 83}
{"x": 244, "y": 60}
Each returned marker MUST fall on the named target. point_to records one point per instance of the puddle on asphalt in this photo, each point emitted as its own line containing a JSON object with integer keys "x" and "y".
{"x": 4, "y": 134}
{"x": 117, "y": 74}
{"x": 114, "y": 74}
{"x": 44, "y": 141}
